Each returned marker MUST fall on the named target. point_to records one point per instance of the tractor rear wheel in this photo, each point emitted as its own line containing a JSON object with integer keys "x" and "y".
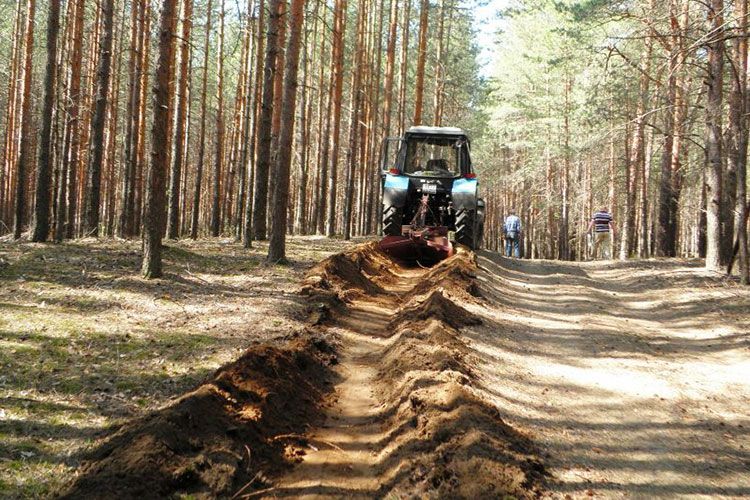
{"x": 466, "y": 228}
{"x": 392, "y": 220}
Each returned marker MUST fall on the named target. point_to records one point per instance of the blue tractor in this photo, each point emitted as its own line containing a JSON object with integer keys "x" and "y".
{"x": 430, "y": 195}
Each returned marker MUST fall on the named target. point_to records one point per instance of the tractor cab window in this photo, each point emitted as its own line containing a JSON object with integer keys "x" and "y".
{"x": 437, "y": 157}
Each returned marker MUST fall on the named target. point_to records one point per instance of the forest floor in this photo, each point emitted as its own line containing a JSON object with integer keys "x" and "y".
{"x": 472, "y": 379}
{"x": 86, "y": 344}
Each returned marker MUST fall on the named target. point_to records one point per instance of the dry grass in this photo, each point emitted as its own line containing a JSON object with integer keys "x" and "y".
{"x": 85, "y": 343}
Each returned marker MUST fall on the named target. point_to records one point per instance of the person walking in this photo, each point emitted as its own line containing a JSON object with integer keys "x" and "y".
{"x": 512, "y": 232}
{"x": 604, "y": 231}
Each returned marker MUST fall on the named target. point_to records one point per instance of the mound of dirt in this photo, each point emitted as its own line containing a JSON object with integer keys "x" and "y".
{"x": 436, "y": 306}
{"x": 238, "y": 426}
{"x": 361, "y": 271}
{"x": 446, "y": 440}
{"x": 455, "y": 275}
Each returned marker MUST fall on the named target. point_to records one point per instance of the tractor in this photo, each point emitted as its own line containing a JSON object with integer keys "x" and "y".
{"x": 430, "y": 195}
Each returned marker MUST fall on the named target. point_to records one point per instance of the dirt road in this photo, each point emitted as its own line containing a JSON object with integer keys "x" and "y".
{"x": 633, "y": 376}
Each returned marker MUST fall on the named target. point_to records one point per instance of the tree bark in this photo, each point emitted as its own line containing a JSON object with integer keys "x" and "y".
{"x": 280, "y": 192}
{"x": 44, "y": 168}
{"x": 25, "y": 120}
{"x": 714, "y": 169}
{"x": 98, "y": 125}
{"x": 439, "y": 83}
{"x": 260, "y": 199}
{"x": 404, "y": 67}
{"x": 741, "y": 130}
{"x": 665, "y": 235}
{"x": 219, "y": 153}
{"x": 356, "y": 93}
{"x": 157, "y": 172}
{"x": 338, "y": 82}
{"x": 636, "y": 162}
{"x": 247, "y": 239}
{"x": 180, "y": 142}
{"x": 419, "y": 86}
{"x": 202, "y": 144}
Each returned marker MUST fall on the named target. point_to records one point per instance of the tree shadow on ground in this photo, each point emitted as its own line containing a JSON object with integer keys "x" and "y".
{"x": 556, "y": 327}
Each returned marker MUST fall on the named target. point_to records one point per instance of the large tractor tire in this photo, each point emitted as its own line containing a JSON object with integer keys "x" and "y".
{"x": 392, "y": 220}
{"x": 466, "y": 228}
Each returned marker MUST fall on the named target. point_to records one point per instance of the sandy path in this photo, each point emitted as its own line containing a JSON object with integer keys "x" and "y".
{"x": 634, "y": 377}
{"x": 345, "y": 455}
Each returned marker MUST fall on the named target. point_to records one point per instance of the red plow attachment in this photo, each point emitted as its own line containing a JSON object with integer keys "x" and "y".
{"x": 426, "y": 246}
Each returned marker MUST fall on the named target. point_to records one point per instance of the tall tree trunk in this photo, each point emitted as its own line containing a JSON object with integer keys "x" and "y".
{"x": 439, "y": 83}
{"x": 25, "y": 120}
{"x": 665, "y": 237}
{"x": 11, "y": 122}
{"x": 636, "y": 163}
{"x": 390, "y": 69}
{"x": 404, "y": 67}
{"x": 127, "y": 202}
{"x": 219, "y": 158}
{"x": 258, "y": 91}
{"x": 158, "y": 166}
{"x": 142, "y": 119}
{"x": 739, "y": 91}
{"x": 260, "y": 199}
{"x": 44, "y": 169}
{"x": 202, "y": 144}
{"x": 356, "y": 93}
{"x": 338, "y": 82}
{"x": 306, "y": 109}
{"x": 278, "y": 83}
{"x": 564, "y": 234}
{"x": 180, "y": 142}
{"x": 714, "y": 169}
{"x": 324, "y": 142}
{"x": 419, "y": 87}
{"x": 280, "y": 192}
{"x": 98, "y": 125}
{"x": 245, "y": 139}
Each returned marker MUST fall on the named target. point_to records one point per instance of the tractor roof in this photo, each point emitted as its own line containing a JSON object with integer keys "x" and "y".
{"x": 421, "y": 130}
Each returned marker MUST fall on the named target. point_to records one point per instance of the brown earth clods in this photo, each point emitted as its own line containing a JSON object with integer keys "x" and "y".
{"x": 236, "y": 428}
{"x": 239, "y": 432}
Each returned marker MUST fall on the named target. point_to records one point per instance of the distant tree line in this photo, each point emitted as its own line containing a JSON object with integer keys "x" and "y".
{"x": 641, "y": 107}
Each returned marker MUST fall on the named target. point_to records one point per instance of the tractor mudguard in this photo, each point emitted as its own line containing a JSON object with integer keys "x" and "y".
{"x": 395, "y": 189}
{"x": 464, "y": 194}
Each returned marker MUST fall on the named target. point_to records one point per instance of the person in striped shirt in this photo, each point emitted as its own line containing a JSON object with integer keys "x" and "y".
{"x": 604, "y": 231}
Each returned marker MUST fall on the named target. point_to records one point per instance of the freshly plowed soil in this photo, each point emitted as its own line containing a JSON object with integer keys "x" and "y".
{"x": 403, "y": 420}
{"x": 408, "y": 421}
{"x": 234, "y": 429}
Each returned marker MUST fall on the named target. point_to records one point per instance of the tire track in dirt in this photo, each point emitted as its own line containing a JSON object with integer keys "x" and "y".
{"x": 406, "y": 420}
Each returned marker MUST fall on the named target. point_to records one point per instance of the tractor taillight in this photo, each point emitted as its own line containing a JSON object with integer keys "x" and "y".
{"x": 394, "y": 171}
{"x": 471, "y": 175}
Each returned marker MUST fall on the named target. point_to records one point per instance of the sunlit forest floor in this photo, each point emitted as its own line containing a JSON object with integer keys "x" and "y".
{"x": 86, "y": 344}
